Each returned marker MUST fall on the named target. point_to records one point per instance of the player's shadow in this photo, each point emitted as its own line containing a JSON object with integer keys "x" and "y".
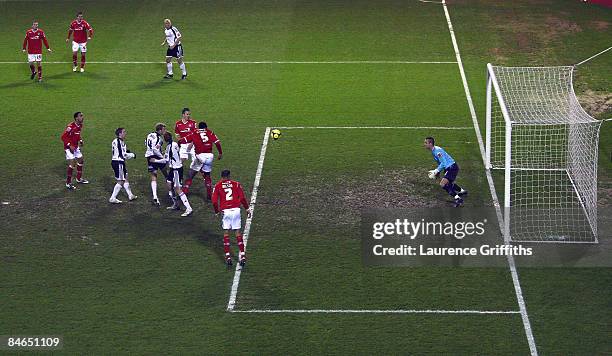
{"x": 167, "y": 83}
{"x": 26, "y": 83}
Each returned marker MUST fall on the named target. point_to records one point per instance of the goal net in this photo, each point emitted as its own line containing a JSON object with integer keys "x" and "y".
{"x": 545, "y": 146}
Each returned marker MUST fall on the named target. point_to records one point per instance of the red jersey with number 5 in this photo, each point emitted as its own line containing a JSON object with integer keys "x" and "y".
{"x": 203, "y": 140}
{"x": 230, "y": 195}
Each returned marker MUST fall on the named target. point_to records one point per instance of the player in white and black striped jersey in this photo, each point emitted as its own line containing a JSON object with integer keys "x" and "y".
{"x": 120, "y": 155}
{"x": 155, "y": 157}
{"x": 173, "y": 37}
{"x": 175, "y": 175}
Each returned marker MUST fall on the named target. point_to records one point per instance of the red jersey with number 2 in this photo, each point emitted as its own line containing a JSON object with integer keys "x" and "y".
{"x": 230, "y": 195}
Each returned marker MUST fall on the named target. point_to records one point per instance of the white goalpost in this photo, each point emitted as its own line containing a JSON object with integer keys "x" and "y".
{"x": 547, "y": 146}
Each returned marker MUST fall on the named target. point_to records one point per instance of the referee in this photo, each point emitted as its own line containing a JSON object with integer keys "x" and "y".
{"x": 451, "y": 169}
{"x": 172, "y": 37}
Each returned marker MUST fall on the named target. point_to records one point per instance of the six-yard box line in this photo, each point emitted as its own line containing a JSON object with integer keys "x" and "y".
{"x": 236, "y": 281}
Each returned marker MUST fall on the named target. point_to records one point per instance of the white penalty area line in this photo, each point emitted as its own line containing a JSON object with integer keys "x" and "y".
{"x": 511, "y": 263}
{"x": 373, "y": 311}
{"x": 374, "y": 127}
{"x": 247, "y": 227}
{"x": 246, "y": 62}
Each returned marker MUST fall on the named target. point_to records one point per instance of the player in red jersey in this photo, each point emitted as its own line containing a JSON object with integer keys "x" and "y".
{"x": 183, "y": 128}
{"x": 81, "y": 31}
{"x": 32, "y": 43}
{"x": 72, "y": 146}
{"x": 203, "y": 140}
{"x": 230, "y": 195}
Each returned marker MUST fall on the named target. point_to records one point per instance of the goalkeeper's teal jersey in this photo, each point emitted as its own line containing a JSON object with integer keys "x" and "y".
{"x": 443, "y": 159}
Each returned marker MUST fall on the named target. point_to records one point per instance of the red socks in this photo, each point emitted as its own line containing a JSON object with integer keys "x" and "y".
{"x": 82, "y": 60}
{"x": 79, "y": 171}
{"x": 226, "y": 245}
{"x": 208, "y": 184}
{"x": 69, "y": 175}
{"x": 39, "y": 72}
{"x": 240, "y": 245}
{"x": 74, "y": 59}
{"x": 32, "y": 68}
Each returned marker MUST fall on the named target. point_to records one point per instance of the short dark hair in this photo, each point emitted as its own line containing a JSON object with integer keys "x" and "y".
{"x": 431, "y": 140}
{"x": 76, "y": 114}
{"x": 185, "y": 110}
{"x": 159, "y": 126}
{"x": 79, "y": 13}
{"x": 118, "y": 131}
{"x": 225, "y": 173}
{"x": 168, "y": 137}
{"x": 202, "y": 125}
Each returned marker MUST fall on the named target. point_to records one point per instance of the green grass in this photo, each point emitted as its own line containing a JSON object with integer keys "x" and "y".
{"x": 131, "y": 278}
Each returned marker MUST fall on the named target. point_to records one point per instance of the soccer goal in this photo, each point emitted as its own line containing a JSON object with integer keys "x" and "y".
{"x": 546, "y": 145}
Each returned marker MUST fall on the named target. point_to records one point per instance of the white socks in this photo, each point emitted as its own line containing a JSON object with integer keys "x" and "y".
{"x": 169, "y": 65}
{"x": 126, "y": 186}
{"x": 154, "y": 189}
{"x": 183, "y": 69}
{"x": 185, "y": 201}
{"x": 116, "y": 190}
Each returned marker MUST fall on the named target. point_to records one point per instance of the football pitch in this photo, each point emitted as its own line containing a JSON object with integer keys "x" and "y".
{"x": 354, "y": 87}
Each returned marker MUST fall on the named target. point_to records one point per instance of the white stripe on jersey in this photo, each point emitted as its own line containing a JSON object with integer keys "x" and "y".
{"x": 173, "y": 156}
{"x": 153, "y": 145}
{"x": 172, "y": 35}
{"x": 119, "y": 150}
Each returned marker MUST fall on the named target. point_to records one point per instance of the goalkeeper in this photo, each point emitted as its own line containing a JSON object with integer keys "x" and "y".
{"x": 451, "y": 169}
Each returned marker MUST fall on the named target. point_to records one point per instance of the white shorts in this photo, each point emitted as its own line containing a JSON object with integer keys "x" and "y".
{"x": 184, "y": 153}
{"x": 34, "y": 57}
{"x": 231, "y": 219}
{"x": 73, "y": 155}
{"x": 203, "y": 162}
{"x": 79, "y": 46}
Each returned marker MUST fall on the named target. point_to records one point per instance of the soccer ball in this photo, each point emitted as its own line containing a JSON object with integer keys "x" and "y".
{"x": 275, "y": 134}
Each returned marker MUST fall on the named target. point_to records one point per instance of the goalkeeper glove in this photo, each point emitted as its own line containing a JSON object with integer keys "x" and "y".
{"x": 130, "y": 155}
{"x": 433, "y": 173}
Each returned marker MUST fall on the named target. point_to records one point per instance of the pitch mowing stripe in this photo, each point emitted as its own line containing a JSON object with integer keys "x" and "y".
{"x": 247, "y": 227}
{"x": 515, "y": 279}
{"x": 374, "y": 311}
{"x": 247, "y": 62}
{"x": 375, "y": 127}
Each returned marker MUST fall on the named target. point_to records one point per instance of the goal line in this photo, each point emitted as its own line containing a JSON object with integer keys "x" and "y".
{"x": 373, "y": 311}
